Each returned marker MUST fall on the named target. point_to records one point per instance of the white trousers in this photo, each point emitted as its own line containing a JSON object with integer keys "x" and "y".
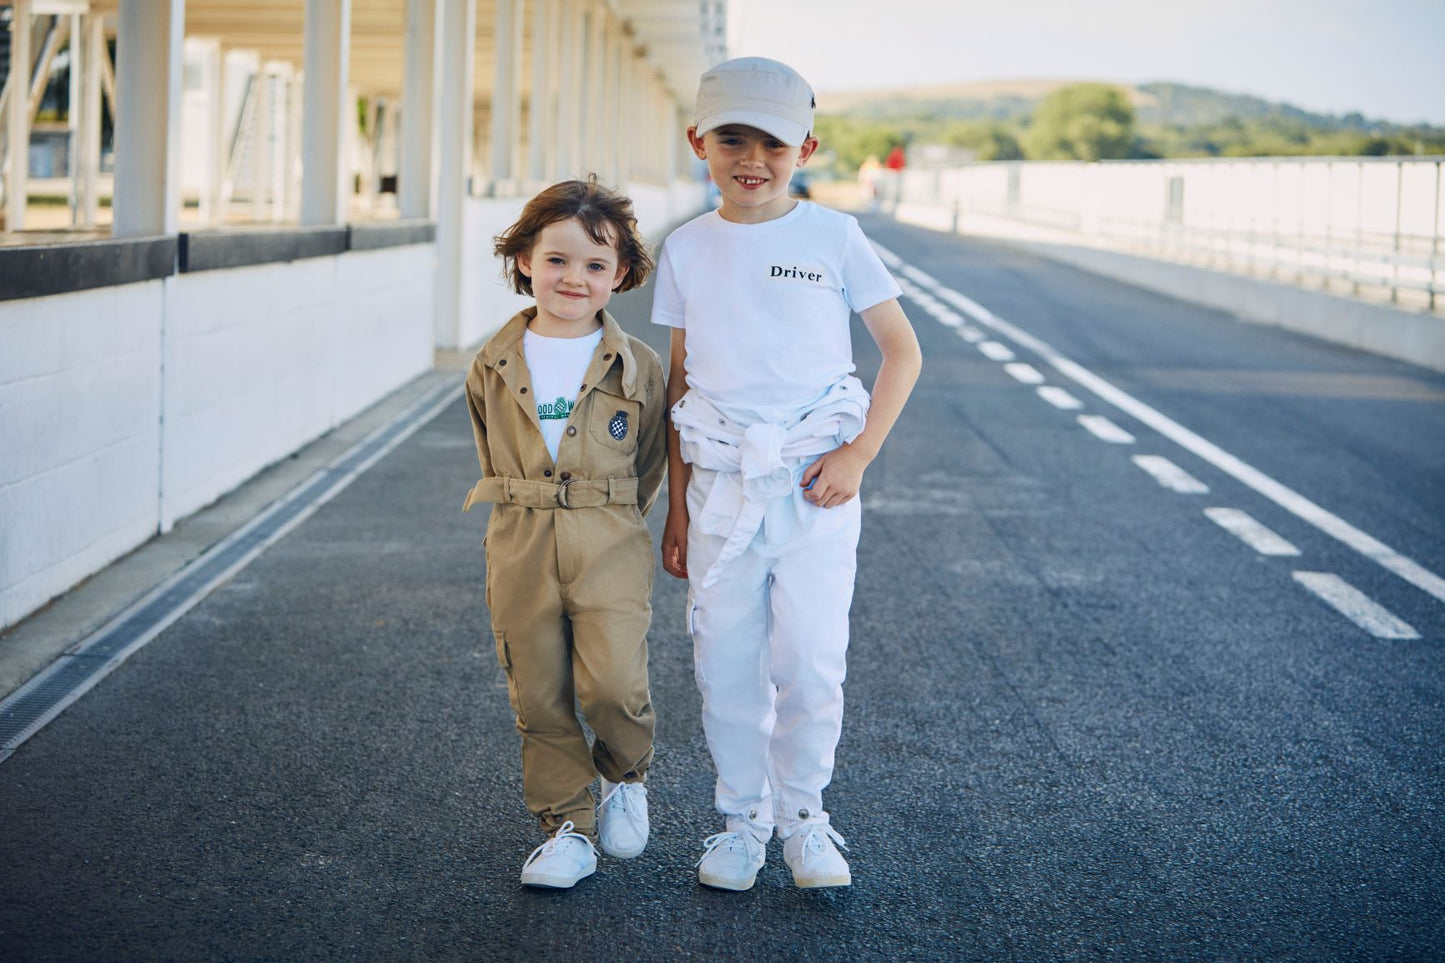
{"x": 770, "y": 638}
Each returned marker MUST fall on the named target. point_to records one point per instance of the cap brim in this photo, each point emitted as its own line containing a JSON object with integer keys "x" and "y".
{"x": 790, "y": 132}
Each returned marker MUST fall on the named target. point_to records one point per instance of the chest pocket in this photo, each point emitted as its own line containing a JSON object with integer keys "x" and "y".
{"x": 613, "y": 422}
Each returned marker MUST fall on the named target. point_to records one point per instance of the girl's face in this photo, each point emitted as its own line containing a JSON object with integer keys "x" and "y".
{"x": 572, "y": 278}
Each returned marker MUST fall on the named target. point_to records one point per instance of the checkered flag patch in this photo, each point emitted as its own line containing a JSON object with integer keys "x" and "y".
{"x": 617, "y": 427}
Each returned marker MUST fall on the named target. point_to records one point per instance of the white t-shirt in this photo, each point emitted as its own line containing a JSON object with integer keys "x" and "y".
{"x": 766, "y": 306}
{"x": 557, "y": 366}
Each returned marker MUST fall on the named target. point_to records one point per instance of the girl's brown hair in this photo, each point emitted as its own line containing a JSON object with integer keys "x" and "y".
{"x": 605, "y": 215}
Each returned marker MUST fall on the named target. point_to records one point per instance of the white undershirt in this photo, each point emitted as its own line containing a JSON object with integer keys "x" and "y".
{"x": 557, "y": 366}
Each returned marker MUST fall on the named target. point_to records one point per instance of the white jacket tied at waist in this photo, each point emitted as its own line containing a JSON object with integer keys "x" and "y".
{"x": 752, "y": 459}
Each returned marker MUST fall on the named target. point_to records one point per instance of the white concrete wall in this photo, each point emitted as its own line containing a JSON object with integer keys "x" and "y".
{"x": 124, "y": 409}
{"x": 80, "y": 402}
{"x": 261, "y": 360}
{"x": 486, "y": 302}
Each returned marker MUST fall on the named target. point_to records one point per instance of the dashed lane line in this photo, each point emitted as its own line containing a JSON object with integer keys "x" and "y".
{"x": 1242, "y": 525}
{"x": 1356, "y": 606}
{"x": 1025, "y": 373}
{"x": 1059, "y": 398}
{"x": 1170, "y": 475}
{"x": 1287, "y": 498}
{"x": 995, "y": 351}
{"x": 1105, "y": 430}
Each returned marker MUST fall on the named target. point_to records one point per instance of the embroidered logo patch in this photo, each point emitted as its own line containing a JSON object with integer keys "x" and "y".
{"x": 617, "y": 427}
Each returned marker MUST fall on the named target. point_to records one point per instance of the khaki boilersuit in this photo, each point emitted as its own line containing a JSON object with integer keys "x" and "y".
{"x": 570, "y": 562}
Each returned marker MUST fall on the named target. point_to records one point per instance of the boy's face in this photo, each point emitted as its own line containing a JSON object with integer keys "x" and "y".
{"x": 751, "y": 168}
{"x": 572, "y": 278}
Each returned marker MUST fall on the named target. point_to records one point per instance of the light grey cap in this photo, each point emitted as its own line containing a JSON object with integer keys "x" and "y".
{"x": 758, "y": 92}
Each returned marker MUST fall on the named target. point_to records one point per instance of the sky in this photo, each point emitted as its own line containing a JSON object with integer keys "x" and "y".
{"x": 1383, "y": 58}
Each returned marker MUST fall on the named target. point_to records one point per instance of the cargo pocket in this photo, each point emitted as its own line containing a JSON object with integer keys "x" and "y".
{"x": 504, "y": 658}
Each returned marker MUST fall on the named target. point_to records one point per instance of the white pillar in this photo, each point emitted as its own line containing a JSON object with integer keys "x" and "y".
{"x": 457, "y": 43}
{"x": 540, "y": 156}
{"x": 414, "y": 180}
{"x": 612, "y": 123}
{"x": 596, "y": 61}
{"x": 324, "y": 192}
{"x": 568, "y": 84}
{"x": 216, "y": 135}
{"x": 17, "y": 133}
{"x": 148, "y": 88}
{"x": 73, "y": 116}
{"x": 507, "y": 92}
{"x": 89, "y": 184}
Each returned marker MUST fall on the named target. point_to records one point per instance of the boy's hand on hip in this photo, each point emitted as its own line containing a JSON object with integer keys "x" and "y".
{"x": 833, "y": 479}
{"x": 674, "y": 543}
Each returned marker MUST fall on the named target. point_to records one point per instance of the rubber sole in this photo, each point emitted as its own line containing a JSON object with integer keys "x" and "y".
{"x": 823, "y": 882}
{"x": 540, "y": 881}
{"x": 717, "y": 882}
{"x": 622, "y": 854}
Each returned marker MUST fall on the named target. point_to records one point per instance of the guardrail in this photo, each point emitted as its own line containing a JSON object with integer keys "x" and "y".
{"x": 1362, "y": 226}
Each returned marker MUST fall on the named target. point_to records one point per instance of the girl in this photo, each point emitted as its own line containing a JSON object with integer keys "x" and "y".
{"x": 568, "y": 414}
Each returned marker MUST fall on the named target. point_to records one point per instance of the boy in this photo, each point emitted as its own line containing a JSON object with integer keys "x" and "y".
{"x": 772, "y": 437}
{"x": 568, "y": 415}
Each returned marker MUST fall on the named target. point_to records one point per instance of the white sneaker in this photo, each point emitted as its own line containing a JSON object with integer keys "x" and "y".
{"x": 731, "y": 861}
{"x": 622, "y": 819}
{"x": 561, "y": 861}
{"x": 813, "y": 858}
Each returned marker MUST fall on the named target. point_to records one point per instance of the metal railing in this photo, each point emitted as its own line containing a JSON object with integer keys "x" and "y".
{"x": 1361, "y": 226}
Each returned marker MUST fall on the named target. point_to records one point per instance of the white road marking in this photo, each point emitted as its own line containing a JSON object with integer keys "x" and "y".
{"x": 1356, "y": 606}
{"x": 1105, "y": 430}
{"x": 1252, "y": 533}
{"x": 1170, "y": 475}
{"x": 949, "y": 319}
{"x": 995, "y": 351}
{"x": 971, "y": 335}
{"x": 1059, "y": 398}
{"x": 1327, "y": 522}
{"x": 1025, "y": 373}
{"x": 919, "y": 277}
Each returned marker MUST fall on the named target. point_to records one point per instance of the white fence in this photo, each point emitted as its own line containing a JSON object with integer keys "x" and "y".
{"x": 1368, "y": 227}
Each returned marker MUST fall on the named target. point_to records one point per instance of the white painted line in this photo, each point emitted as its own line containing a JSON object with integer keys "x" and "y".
{"x": 995, "y": 351}
{"x": 1356, "y": 606}
{"x": 1025, "y": 373}
{"x": 920, "y": 277}
{"x": 1105, "y": 430}
{"x": 1292, "y": 501}
{"x": 1170, "y": 475}
{"x": 971, "y": 335}
{"x": 893, "y": 261}
{"x": 949, "y": 319}
{"x": 1252, "y": 533}
{"x": 1059, "y": 398}
{"x": 420, "y": 413}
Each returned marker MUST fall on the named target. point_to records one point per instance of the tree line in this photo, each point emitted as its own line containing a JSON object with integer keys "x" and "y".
{"x": 1097, "y": 122}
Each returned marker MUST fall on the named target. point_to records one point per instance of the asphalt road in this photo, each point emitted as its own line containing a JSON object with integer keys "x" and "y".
{"x": 1084, "y": 720}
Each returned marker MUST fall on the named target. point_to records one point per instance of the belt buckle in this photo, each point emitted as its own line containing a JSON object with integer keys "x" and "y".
{"x": 562, "y": 493}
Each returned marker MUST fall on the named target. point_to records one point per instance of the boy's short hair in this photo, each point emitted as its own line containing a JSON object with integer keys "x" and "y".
{"x": 605, "y": 214}
{"x": 757, "y": 92}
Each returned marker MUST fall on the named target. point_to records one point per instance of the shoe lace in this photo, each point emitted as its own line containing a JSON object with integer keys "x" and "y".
{"x": 563, "y": 835}
{"x": 813, "y": 840}
{"x": 628, "y": 796}
{"x": 744, "y": 841}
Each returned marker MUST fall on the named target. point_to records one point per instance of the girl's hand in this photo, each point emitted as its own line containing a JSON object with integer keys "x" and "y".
{"x": 674, "y": 543}
{"x": 833, "y": 479}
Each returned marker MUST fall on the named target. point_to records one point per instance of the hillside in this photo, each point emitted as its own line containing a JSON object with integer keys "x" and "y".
{"x": 1170, "y": 104}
